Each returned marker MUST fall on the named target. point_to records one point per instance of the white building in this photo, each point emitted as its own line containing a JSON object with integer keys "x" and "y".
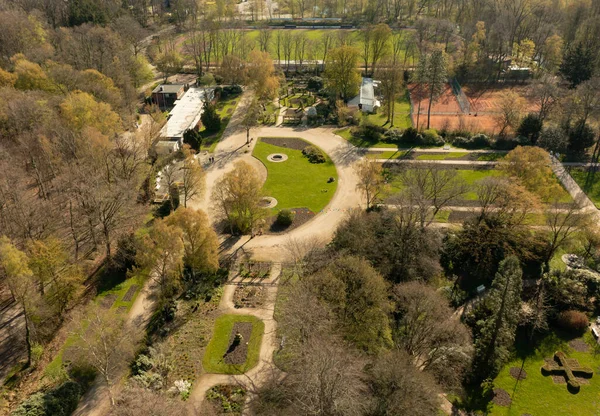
{"x": 365, "y": 100}
{"x": 184, "y": 116}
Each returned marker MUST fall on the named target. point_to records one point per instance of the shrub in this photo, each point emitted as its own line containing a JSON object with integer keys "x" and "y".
{"x": 573, "y": 321}
{"x": 314, "y": 154}
{"x": 61, "y": 401}
{"x": 432, "y": 138}
{"x": 218, "y": 79}
{"x": 392, "y": 136}
{"x": 193, "y": 138}
{"x": 412, "y": 136}
{"x": 285, "y": 217}
{"x": 206, "y": 79}
{"x": 509, "y": 143}
{"x": 476, "y": 142}
{"x": 232, "y": 90}
{"x": 315, "y": 84}
{"x": 370, "y": 132}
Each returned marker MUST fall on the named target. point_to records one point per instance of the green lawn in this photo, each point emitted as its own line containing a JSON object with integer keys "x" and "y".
{"x": 442, "y": 156}
{"x": 468, "y": 175}
{"x": 387, "y": 155}
{"x": 225, "y": 109}
{"x": 217, "y": 347}
{"x": 296, "y": 183}
{"x": 593, "y": 190}
{"x": 401, "y": 114}
{"x": 538, "y": 395}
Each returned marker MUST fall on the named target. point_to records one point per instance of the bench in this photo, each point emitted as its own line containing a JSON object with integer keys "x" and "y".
{"x": 595, "y": 332}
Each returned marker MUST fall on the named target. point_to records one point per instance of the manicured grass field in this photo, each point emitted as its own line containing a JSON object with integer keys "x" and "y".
{"x": 225, "y": 109}
{"x": 442, "y": 156}
{"x": 296, "y": 183}
{"x": 490, "y": 157}
{"x": 593, "y": 190}
{"x": 537, "y": 394}
{"x": 217, "y": 347}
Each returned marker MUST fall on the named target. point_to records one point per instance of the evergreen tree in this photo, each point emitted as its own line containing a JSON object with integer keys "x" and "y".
{"x": 193, "y": 138}
{"x": 577, "y": 65}
{"x": 531, "y": 127}
{"x": 210, "y": 118}
{"x": 581, "y": 137}
{"x": 497, "y": 330}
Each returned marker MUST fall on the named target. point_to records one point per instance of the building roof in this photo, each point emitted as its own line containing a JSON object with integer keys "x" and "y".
{"x": 367, "y": 92}
{"x": 168, "y": 88}
{"x": 185, "y": 115}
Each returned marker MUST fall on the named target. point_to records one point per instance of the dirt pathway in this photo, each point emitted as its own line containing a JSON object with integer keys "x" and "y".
{"x": 96, "y": 401}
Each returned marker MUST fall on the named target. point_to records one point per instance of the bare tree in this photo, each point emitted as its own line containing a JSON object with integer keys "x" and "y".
{"x": 563, "y": 223}
{"x": 430, "y": 189}
{"x": 106, "y": 344}
{"x": 192, "y": 176}
{"x": 370, "y": 180}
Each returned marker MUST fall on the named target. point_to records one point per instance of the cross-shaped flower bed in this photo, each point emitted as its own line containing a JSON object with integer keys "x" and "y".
{"x": 568, "y": 368}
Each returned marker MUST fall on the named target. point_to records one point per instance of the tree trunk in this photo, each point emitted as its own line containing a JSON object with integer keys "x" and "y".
{"x": 27, "y": 336}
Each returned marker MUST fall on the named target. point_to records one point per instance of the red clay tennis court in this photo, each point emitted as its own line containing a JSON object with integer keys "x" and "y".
{"x": 446, "y": 103}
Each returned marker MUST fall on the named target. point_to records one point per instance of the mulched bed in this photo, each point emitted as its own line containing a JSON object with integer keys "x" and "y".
{"x": 518, "y": 373}
{"x": 255, "y": 269}
{"x": 287, "y": 142}
{"x": 248, "y": 296}
{"x": 107, "y": 301}
{"x": 559, "y": 379}
{"x": 130, "y": 293}
{"x": 579, "y": 345}
{"x": 303, "y": 215}
{"x": 237, "y": 354}
{"x": 501, "y": 397}
{"x": 226, "y": 399}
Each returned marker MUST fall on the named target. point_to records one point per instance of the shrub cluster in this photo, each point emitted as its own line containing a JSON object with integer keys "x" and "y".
{"x": 479, "y": 141}
{"x": 314, "y": 154}
{"x": 369, "y": 132}
{"x": 573, "y": 321}
{"x": 61, "y": 401}
{"x": 285, "y": 217}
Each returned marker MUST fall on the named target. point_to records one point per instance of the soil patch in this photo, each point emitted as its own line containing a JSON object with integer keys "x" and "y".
{"x": 501, "y": 397}
{"x": 518, "y": 373}
{"x": 579, "y": 345}
{"x": 130, "y": 293}
{"x": 287, "y": 142}
{"x": 107, "y": 301}
{"x": 302, "y": 216}
{"x": 559, "y": 380}
{"x": 248, "y": 296}
{"x": 238, "y": 350}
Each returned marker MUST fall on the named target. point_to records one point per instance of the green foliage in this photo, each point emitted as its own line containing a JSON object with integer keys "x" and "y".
{"x": 577, "y": 65}
{"x": 530, "y": 127}
{"x": 230, "y": 398}
{"x": 573, "y": 321}
{"x": 581, "y": 137}
{"x": 61, "y": 401}
{"x": 193, "y": 138}
{"x": 479, "y": 141}
{"x": 314, "y": 154}
{"x": 315, "y": 84}
{"x": 210, "y": 119}
{"x": 206, "y": 79}
{"x": 285, "y": 217}
{"x": 553, "y": 139}
{"x": 495, "y": 330}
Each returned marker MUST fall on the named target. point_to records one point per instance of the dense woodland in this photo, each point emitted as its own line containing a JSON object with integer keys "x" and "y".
{"x": 77, "y": 180}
